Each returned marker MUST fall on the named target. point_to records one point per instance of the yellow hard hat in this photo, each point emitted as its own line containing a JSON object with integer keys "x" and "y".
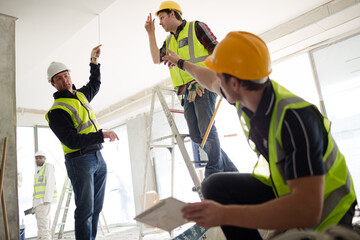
{"x": 241, "y": 54}
{"x": 171, "y": 5}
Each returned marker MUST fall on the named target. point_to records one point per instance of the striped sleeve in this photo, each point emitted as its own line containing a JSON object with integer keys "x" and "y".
{"x": 304, "y": 140}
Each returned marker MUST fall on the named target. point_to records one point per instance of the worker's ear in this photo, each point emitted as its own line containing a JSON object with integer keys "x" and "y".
{"x": 235, "y": 83}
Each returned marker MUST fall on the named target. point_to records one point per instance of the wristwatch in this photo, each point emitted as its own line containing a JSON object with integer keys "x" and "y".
{"x": 93, "y": 59}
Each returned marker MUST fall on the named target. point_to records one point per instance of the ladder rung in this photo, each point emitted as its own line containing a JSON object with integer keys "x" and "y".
{"x": 161, "y": 146}
{"x": 168, "y": 90}
{"x": 184, "y": 135}
{"x": 161, "y": 138}
{"x": 176, "y": 110}
{"x": 201, "y": 161}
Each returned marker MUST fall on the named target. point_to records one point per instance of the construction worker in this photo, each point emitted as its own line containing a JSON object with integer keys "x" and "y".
{"x": 74, "y": 123}
{"x": 44, "y": 194}
{"x": 301, "y": 179}
{"x": 193, "y": 41}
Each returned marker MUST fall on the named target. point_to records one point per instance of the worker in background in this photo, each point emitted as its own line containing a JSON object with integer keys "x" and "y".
{"x": 74, "y": 123}
{"x": 44, "y": 194}
{"x": 301, "y": 179}
{"x": 193, "y": 41}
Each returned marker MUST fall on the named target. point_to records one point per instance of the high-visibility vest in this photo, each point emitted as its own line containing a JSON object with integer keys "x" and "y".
{"x": 82, "y": 115}
{"x": 189, "y": 48}
{"x": 40, "y": 184}
{"x": 339, "y": 193}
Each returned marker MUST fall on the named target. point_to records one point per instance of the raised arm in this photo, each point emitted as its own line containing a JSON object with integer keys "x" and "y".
{"x": 205, "y": 76}
{"x": 95, "y": 54}
{"x": 150, "y": 29}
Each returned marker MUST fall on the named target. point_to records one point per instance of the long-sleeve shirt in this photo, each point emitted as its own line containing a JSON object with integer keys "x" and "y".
{"x": 203, "y": 33}
{"x": 62, "y": 125}
{"x": 50, "y": 185}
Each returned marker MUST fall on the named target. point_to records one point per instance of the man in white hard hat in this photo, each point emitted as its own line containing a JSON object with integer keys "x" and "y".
{"x": 193, "y": 41}
{"x": 44, "y": 194}
{"x": 74, "y": 123}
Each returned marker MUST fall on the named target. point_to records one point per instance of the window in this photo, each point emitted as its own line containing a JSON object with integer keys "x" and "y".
{"x": 338, "y": 71}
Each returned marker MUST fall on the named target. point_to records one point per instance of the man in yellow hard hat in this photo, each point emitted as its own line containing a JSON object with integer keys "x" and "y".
{"x": 74, "y": 123}
{"x": 306, "y": 183}
{"x": 193, "y": 41}
{"x": 44, "y": 194}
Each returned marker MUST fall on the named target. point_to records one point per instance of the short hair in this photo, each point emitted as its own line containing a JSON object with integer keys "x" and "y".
{"x": 248, "y": 84}
{"x": 168, "y": 11}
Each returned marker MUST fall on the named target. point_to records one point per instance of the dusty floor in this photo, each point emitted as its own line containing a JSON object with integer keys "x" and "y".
{"x": 127, "y": 232}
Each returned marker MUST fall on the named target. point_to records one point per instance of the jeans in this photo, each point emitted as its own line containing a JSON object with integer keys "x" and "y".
{"x": 87, "y": 174}
{"x": 237, "y": 188}
{"x": 198, "y": 115}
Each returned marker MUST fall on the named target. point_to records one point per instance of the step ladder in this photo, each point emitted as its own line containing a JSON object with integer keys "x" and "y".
{"x": 176, "y": 139}
{"x": 66, "y": 195}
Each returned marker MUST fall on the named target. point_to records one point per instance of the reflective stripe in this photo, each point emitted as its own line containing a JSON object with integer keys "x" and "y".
{"x": 80, "y": 126}
{"x": 40, "y": 184}
{"x": 335, "y": 197}
{"x": 282, "y": 104}
{"x": 331, "y": 158}
{"x": 193, "y": 59}
{"x": 39, "y": 193}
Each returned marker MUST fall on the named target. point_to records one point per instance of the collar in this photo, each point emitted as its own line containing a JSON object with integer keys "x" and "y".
{"x": 266, "y": 103}
{"x": 179, "y": 29}
{"x": 64, "y": 93}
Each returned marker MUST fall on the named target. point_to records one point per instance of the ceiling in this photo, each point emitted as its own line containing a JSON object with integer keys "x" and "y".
{"x": 67, "y": 30}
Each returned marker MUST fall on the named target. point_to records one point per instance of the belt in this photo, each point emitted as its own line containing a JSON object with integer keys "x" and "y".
{"x": 79, "y": 153}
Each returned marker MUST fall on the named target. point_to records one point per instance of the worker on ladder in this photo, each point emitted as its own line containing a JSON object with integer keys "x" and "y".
{"x": 193, "y": 41}
{"x": 44, "y": 194}
{"x": 301, "y": 180}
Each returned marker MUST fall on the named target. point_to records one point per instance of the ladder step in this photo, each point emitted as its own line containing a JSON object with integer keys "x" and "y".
{"x": 162, "y": 138}
{"x": 161, "y": 146}
{"x": 201, "y": 161}
{"x": 176, "y": 110}
{"x": 184, "y": 135}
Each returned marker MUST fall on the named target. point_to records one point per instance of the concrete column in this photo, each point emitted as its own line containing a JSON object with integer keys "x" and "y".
{"x": 137, "y": 138}
{"x": 8, "y": 124}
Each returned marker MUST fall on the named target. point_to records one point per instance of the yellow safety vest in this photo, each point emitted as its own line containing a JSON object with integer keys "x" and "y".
{"x": 339, "y": 193}
{"x": 40, "y": 184}
{"x": 82, "y": 115}
{"x": 189, "y": 48}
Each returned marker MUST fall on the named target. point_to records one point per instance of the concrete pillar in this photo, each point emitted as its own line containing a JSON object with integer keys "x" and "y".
{"x": 8, "y": 124}
{"x": 137, "y": 138}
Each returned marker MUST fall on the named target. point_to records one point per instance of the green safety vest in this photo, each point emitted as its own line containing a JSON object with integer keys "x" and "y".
{"x": 339, "y": 193}
{"x": 189, "y": 48}
{"x": 82, "y": 115}
{"x": 40, "y": 184}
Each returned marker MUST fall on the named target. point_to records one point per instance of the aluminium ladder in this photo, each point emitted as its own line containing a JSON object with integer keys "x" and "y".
{"x": 66, "y": 190}
{"x": 159, "y": 91}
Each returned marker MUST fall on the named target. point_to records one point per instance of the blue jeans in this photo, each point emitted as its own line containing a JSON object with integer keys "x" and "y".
{"x": 87, "y": 174}
{"x": 198, "y": 115}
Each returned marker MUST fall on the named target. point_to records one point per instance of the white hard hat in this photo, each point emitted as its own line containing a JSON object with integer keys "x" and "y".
{"x": 40, "y": 153}
{"x": 55, "y": 68}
